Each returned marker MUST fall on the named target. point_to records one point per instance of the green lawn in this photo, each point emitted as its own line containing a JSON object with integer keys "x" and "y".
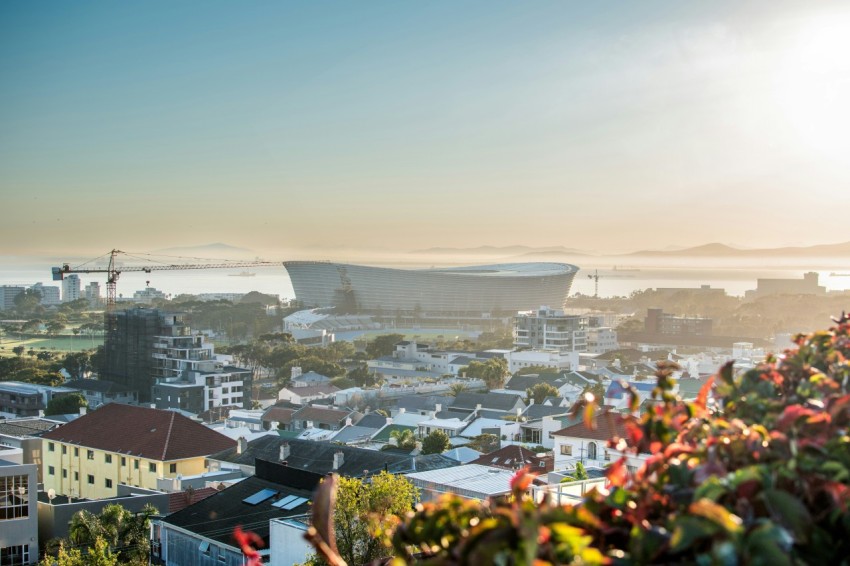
{"x": 61, "y": 343}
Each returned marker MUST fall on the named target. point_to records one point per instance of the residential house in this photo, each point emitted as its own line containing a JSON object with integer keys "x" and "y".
{"x": 470, "y": 481}
{"x": 515, "y": 457}
{"x": 202, "y": 533}
{"x": 579, "y": 443}
{"x": 323, "y": 418}
{"x": 322, "y": 457}
{"x": 306, "y": 393}
{"x": 25, "y": 434}
{"x": 100, "y": 392}
{"x": 125, "y": 444}
{"x": 504, "y": 404}
{"x": 18, "y": 513}
{"x": 19, "y": 399}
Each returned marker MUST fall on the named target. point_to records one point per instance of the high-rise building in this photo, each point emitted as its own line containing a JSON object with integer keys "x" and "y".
{"x": 7, "y": 296}
{"x": 93, "y": 294}
{"x": 550, "y": 329}
{"x": 156, "y": 353}
{"x": 70, "y": 288}
{"x": 49, "y": 295}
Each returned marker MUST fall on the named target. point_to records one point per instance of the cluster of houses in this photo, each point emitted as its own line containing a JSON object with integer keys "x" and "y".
{"x": 206, "y": 473}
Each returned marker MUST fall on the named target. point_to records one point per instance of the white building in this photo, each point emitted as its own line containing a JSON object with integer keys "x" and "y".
{"x": 147, "y": 295}
{"x": 550, "y": 329}
{"x": 49, "y": 295}
{"x": 70, "y": 288}
{"x": 578, "y": 443}
{"x": 93, "y": 293}
{"x": 559, "y": 360}
{"x": 601, "y": 340}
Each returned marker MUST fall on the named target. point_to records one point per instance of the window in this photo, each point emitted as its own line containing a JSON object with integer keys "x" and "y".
{"x": 152, "y": 468}
{"x": 14, "y": 497}
{"x": 76, "y": 476}
{"x": 108, "y": 458}
{"x": 172, "y": 468}
{"x": 51, "y": 470}
{"x": 607, "y": 456}
{"x": 90, "y": 454}
{"x": 566, "y": 449}
{"x": 136, "y": 464}
{"x": 107, "y": 482}
{"x": 591, "y": 450}
{"x": 76, "y": 452}
{"x": 64, "y": 449}
{"x": 91, "y": 479}
{"x": 64, "y": 473}
{"x": 15, "y": 555}
{"x": 51, "y": 447}
{"x": 123, "y": 461}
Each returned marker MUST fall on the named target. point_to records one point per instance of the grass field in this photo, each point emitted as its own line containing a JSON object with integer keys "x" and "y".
{"x": 59, "y": 343}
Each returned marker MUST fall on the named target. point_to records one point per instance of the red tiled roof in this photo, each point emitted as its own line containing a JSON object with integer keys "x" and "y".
{"x": 608, "y": 425}
{"x": 150, "y": 433}
{"x": 181, "y": 499}
{"x": 278, "y": 414}
{"x": 513, "y": 457}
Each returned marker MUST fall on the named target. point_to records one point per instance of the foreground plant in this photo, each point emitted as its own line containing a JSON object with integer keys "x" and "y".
{"x": 761, "y": 475}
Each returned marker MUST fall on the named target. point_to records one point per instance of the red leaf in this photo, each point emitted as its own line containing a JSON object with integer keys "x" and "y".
{"x": 839, "y": 493}
{"x": 702, "y": 396}
{"x": 521, "y": 480}
{"x": 249, "y": 542}
{"x": 617, "y": 473}
{"x": 635, "y": 433}
{"x": 791, "y": 414}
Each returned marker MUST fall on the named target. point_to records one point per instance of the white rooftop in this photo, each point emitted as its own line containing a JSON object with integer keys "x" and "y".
{"x": 470, "y": 480}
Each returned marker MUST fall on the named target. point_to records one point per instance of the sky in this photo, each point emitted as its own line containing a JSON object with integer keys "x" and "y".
{"x": 287, "y": 125}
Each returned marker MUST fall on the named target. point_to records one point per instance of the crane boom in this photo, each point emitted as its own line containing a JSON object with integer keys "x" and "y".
{"x": 113, "y": 271}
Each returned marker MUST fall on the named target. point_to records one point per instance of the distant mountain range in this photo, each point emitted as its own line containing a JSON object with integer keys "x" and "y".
{"x": 707, "y": 250}
{"x": 502, "y": 251}
{"x": 722, "y": 250}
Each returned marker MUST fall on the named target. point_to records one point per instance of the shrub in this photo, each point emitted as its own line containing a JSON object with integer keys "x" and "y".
{"x": 761, "y": 475}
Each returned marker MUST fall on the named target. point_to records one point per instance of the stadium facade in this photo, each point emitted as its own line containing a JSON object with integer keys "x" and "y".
{"x": 456, "y": 291}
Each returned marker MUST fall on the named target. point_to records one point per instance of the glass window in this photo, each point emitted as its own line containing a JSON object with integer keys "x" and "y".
{"x": 91, "y": 479}
{"x": 108, "y": 458}
{"x": 107, "y": 482}
{"x": 51, "y": 470}
{"x": 152, "y": 467}
{"x": 64, "y": 473}
{"x": 172, "y": 468}
{"x": 76, "y": 476}
{"x": 76, "y": 451}
{"x": 15, "y": 555}
{"x": 566, "y": 449}
{"x": 136, "y": 464}
{"x": 64, "y": 449}
{"x": 51, "y": 447}
{"x": 14, "y": 497}
{"x": 90, "y": 454}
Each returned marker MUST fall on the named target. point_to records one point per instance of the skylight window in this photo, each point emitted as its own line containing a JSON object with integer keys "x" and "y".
{"x": 260, "y": 496}
{"x": 284, "y": 501}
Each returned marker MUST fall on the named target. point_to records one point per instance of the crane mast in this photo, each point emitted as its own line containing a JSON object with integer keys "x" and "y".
{"x": 113, "y": 271}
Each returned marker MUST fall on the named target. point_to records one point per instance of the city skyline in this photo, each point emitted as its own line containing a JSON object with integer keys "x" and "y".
{"x": 292, "y": 126}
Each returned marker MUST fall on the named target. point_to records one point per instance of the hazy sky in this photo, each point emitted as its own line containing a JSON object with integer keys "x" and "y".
{"x": 404, "y": 125}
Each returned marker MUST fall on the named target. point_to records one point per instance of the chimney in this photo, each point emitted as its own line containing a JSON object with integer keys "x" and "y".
{"x": 348, "y": 421}
{"x": 401, "y": 411}
{"x": 241, "y": 445}
{"x": 439, "y": 407}
{"x": 338, "y": 459}
{"x": 284, "y": 451}
{"x": 83, "y": 411}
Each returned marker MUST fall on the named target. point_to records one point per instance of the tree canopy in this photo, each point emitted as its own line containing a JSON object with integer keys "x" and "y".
{"x": 493, "y": 371}
{"x": 65, "y": 404}
{"x": 383, "y": 345}
{"x": 436, "y": 442}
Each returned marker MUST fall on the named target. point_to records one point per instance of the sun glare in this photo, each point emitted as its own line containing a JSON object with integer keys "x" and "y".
{"x": 813, "y": 85}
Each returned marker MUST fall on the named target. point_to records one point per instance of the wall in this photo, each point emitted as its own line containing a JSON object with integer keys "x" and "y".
{"x": 286, "y": 543}
{"x": 19, "y": 531}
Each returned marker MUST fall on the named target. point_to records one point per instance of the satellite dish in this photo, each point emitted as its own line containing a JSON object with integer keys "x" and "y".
{"x": 51, "y": 494}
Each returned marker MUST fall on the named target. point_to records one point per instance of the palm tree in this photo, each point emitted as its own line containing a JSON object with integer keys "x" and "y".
{"x": 405, "y": 438}
{"x": 457, "y": 388}
{"x": 118, "y": 527}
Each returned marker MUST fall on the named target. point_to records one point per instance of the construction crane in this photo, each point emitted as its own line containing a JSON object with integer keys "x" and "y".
{"x": 113, "y": 270}
{"x": 595, "y": 278}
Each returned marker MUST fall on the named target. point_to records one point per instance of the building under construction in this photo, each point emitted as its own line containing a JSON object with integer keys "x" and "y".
{"x": 128, "y": 349}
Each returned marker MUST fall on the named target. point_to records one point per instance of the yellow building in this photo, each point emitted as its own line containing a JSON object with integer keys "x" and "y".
{"x": 90, "y": 456}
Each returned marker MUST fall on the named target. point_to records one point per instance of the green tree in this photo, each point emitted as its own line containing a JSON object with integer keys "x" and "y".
{"x": 54, "y": 327}
{"x": 579, "y": 474}
{"x": 539, "y": 391}
{"x": 457, "y": 388}
{"x": 436, "y": 442}
{"x": 492, "y": 371}
{"x": 383, "y": 345}
{"x": 485, "y": 443}
{"x": 77, "y": 364}
{"x": 122, "y": 531}
{"x": 65, "y": 404}
{"x": 98, "y": 554}
{"x": 405, "y": 439}
{"x": 364, "y": 514}
{"x": 27, "y": 302}
{"x": 19, "y": 350}
{"x": 361, "y": 376}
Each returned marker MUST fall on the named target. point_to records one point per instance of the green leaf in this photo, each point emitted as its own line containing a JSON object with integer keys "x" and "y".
{"x": 688, "y": 530}
{"x": 717, "y": 514}
{"x": 790, "y": 512}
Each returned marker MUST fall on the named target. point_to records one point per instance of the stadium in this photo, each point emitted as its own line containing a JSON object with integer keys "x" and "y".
{"x": 457, "y": 291}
